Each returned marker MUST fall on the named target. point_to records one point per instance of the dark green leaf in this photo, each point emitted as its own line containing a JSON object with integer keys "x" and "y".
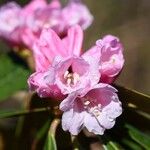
{"x": 131, "y": 145}
{"x": 139, "y": 137}
{"x": 134, "y": 99}
{"x": 8, "y": 114}
{"x": 42, "y": 131}
{"x": 111, "y": 146}
{"x": 13, "y": 77}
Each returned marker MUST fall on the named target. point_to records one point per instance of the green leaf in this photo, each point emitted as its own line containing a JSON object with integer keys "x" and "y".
{"x": 111, "y": 146}
{"x": 13, "y": 76}
{"x": 131, "y": 145}
{"x": 9, "y": 114}
{"x": 134, "y": 99}
{"x": 139, "y": 137}
{"x": 42, "y": 131}
{"x": 50, "y": 143}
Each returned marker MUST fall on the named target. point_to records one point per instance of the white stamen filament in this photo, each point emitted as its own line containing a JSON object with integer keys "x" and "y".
{"x": 95, "y": 111}
{"x": 71, "y": 78}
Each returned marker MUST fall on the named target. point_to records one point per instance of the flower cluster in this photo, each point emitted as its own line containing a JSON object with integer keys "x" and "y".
{"x": 80, "y": 81}
{"x": 22, "y": 26}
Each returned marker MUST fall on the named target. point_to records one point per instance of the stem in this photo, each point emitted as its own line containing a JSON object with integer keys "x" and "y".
{"x": 75, "y": 142}
{"x": 53, "y": 126}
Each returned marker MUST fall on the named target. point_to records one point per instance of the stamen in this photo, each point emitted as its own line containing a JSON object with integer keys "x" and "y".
{"x": 87, "y": 103}
{"x": 71, "y": 78}
{"x": 69, "y": 81}
{"x": 113, "y": 60}
{"x": 91, "y": 106}
{"x": 66, "y": 74}
{"x": 76, "y": 78}
{"x": 95, "y": 111}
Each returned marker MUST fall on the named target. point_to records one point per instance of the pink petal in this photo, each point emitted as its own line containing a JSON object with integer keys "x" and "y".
{"x": 48, "y": 47}
{"x": 55, "y": 4}
{"x": 93, "y": 125}
{"x": 72, "y": 121}
{"x": 43, "y": 83}
{"x": 76, "y": 13}
{"x": 32, "y": 6}
{"x": 112, "y": 60}
{"x": 73, "y": 41}
{"x": 68, "y": 102}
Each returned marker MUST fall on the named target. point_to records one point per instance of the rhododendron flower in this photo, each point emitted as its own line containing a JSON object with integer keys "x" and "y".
{"x": 54, "y": 16}
{"x": 66, "y": 75}
{"x": 96, "y": 110}
{"x": 36, "y": 15}
{"x": 65, "y": 69}
{"x": 9, "y": 22}
{"x": 111, "y": 57}
{"x": 61, "y": 71}
{"x": 24, "y": 25}
{"x": 76, "y": 13}
{"x": 50, "y": 45}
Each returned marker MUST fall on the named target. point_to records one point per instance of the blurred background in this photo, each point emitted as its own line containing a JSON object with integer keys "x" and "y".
{"x": 130, "y": 21}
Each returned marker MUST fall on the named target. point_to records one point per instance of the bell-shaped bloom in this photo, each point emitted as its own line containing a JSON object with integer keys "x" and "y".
{"x": 71, "y": 71}
{"x": 76, "y": 13}
{"x": 33, "y": 17}
{"x": 44, "y": 84}
{"x": 10, "y": 23}
{"x": 62, "y": 72}
{"x": 49, "y": 45}
{"x": 97, "y": 110}
{"x": 111, "y": 57}
{"x": 66, "y": 75}
{"x": 38, "y": 14}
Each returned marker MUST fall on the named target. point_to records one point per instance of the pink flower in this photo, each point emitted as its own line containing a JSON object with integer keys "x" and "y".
{"x": 109, "y": 51}
{"x": 30, "y": 27}
{"x": 43, "y": 84}
{"x": 9, "y": 22}
{"x": 49, "y": 45}
{"x": 112, "y": 59}
{"x": 61, "y": 71}
{"x": 96, "y": 110}
{"x": 76, "y": 13}
{"x": 66, "y": 75}
{"x": 23, "y": 26}
{"x": 61, "y": 63}
{"x": 38, "y": 14}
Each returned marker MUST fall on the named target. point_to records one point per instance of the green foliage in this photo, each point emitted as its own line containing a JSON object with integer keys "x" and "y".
{"x": 134, "y": 139}
{"x": 111, "y": 146}
{"x": 13, "y": 77}
{"x": 40, "y": 134}
{"x": 141, "y": 138}
{"x": 50, "y": 143}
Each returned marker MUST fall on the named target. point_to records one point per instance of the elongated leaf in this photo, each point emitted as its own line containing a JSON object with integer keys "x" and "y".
{"x": 134, "y": 99}
{"x": 42, "y": 131}
{"x": 139, "y": 137}
{"x": 131, "y": 145}
{"x": 50, "y": 143}
{"x": 111, "y": 146}
{"x": 13, "y": 77}
{"x": 9, "y": 114}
